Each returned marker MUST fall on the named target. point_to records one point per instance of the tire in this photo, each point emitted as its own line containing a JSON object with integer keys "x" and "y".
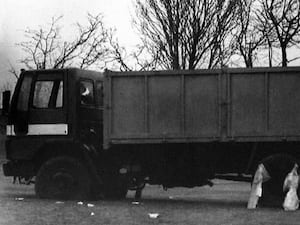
{"x": 63, "y": 178}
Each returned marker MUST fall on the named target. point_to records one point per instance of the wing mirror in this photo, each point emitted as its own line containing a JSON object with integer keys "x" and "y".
{"x": 5, "y": 102}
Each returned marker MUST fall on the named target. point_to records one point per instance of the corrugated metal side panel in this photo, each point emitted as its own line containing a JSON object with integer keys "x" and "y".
{"x": 153, "y": 108}
{"x": 202, "y": 106}
{"x": 164, "y": 108}
{"x": 265, "y": 105}
{"x": 262, "y": 104}
{"x": 127, "y": 106}
{"x": 284, "y": 103}
{"x": 247, "y": 104}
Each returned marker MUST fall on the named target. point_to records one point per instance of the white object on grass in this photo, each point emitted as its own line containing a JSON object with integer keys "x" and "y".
{"x": 261, "y": 175}
{"x": 153, "y": 215}
{"x": 291, "y": 201}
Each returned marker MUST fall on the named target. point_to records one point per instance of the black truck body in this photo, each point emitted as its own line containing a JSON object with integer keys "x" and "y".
{"x": 120, "y": 130}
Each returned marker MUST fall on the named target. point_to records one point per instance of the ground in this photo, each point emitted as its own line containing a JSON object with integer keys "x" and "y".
{"x": 224, "y": 203}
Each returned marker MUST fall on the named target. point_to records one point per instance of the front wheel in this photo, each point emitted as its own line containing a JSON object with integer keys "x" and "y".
{"x": 63, "y": 178}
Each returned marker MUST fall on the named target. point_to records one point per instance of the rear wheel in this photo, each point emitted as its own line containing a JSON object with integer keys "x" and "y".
{"x": 63, "y": 178}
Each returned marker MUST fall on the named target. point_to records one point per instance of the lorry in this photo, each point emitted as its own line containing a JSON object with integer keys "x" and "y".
{"x": 80, "y": 134}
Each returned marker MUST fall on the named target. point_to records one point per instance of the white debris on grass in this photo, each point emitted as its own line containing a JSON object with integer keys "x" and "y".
{"x": 79, "y": 203}
{"x": 59, "y": 202}
{"x": 92, "y": 214}
{"x": 261, "y": 175}
{"x": 90, "y": 205}
{"x": 291, "y": 201}
{"x": 19, "y": 199}
{"x": 135, "y": 203}
{"x": 153, "y": 215}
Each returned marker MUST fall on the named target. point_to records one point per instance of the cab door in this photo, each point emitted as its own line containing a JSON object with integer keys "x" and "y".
{"x": 47, "y": 111}
{"x": 38, "y": 106}
{"x": 38, "y": 110}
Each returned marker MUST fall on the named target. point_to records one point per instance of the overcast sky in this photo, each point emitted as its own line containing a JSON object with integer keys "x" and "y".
{"x": 17, "y": 15}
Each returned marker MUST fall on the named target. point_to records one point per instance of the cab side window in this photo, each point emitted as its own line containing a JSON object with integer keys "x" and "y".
{"x": 86, "y": 92}
{"x": 59, "y": 99}
{"x": 48, "y": 94}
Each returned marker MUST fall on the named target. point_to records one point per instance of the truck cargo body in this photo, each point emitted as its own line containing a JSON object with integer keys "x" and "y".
{"x": 254, "y": 105}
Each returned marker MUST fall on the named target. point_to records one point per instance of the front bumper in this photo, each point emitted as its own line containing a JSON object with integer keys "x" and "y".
{"x": 20, "y": 168}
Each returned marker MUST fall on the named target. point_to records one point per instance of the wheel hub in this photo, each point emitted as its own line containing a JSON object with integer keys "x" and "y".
{"x": 63, "y": 180}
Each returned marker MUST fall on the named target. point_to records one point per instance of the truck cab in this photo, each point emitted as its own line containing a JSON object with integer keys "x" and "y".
{"x": 55, "y": 116}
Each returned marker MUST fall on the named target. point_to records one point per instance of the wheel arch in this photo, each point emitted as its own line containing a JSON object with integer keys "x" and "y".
{"x": 78, "y": 151}
{"x": 53, "y": 149}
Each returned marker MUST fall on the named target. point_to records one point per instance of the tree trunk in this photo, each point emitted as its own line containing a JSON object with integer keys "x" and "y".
{"x": 270, "y": 52}
{"x": 270, "y": 57}
{"x": 249, "y": 63}
{"x": 284, "y": 56}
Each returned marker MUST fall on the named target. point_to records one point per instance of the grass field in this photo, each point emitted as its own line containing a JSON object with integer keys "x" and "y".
{"x": 224, "y": 203}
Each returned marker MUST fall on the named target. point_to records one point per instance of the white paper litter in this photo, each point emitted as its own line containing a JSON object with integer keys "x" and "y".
{"x": 291, "y": 182}
{"x": 261, "y": 175}
{"x": 79, "y": 203}
{"x": 92, "y": 214}
{"x": 153, "y": 215}
{"x": 258, "y": 190}
{"x": 90, "y": 205}
{"x": 19, "y": 199}
{"x": 135, "y": 203}
{"x": 59, "y": 202}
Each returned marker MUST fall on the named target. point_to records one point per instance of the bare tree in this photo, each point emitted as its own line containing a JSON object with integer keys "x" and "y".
{"x": 249, "y": 35}
{"x": 180, "y": 34}
{"x": 119, "y": 54}
{"x": 138, "y": 59}
{"x": 252, "y": 33}
{"x": 263, "y": 26}
{"x": 284, "y": 18}
{"x": 45, "y": 48}
{"x": 224, "y": 22}
{"x": 12, "y": 70}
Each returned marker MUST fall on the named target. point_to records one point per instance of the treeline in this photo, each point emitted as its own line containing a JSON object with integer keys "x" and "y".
{"x": 175, "y": 34}
{"x": 194, "y": 34}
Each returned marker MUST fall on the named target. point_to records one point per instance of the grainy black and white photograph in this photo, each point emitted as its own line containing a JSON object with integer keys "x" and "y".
{"x": 140, "y": 112}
